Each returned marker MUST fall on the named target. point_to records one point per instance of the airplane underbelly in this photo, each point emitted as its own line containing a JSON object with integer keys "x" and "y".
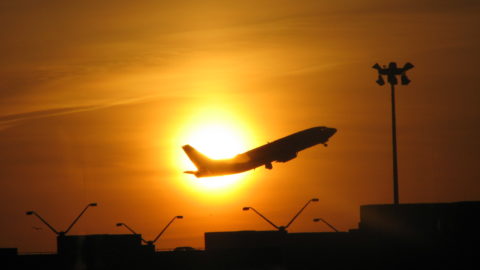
{"x": 286, "y": 158}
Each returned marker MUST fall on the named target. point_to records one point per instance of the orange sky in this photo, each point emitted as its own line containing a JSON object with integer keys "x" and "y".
{"x": 96, "y": 98}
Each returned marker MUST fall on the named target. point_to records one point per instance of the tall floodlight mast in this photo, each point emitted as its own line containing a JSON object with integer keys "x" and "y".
{"x": 392, "y": 71}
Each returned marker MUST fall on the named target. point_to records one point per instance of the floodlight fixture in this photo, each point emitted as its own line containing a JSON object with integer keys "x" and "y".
{"x": 404, "y": 79}
{"x": 380, "y": 80}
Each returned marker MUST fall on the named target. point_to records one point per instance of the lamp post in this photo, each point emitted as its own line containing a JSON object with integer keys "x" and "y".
{"x": 131, "y": 230}
{"x": 150, "y": 243}
{"x": 262, "y": 216}
{"x": 60, "y": 233}
{"x": 324, "y": 221}
{"x": 164, "y": 229}
{"x": 281, "y": 228}
{"x": 391, "y": 72}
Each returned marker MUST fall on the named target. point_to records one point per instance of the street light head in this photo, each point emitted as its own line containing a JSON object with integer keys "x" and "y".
{"x": 316, "y": 220}
{"x": 246, "y": 208}
{"x": 408, "y": 66}
{"x": 119, "y": 224}
{"x": 93, "y": 204}
{"x": 404, "y": 79}
{"x": 314, "y": 200}
{"x": 28, "y": 213}
{"x": 179, "y": 217}
{"x": 380, "y": 80}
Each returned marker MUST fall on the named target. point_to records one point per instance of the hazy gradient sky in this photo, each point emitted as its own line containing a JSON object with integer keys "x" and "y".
{"x": 96, "y": 98}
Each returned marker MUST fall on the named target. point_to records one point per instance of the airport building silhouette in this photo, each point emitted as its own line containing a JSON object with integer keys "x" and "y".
{"x": 389, "y": 236}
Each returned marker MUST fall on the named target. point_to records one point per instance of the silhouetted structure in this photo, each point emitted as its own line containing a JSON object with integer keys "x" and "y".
{"x": 61, "y": 234}
{"x": 422, "y": 222}
{"x": 29, "y": 213}
{"x": 391, "y": 72}
{"x": 101, "y": 250}
{"x": 150, "y": 245}
{"x": 281, "y": 228}
{"x": 324, "y": 221}
{"x": 281, "y": 150}
{"x": 8, "y": 258}
{"x": 390, "y": 236}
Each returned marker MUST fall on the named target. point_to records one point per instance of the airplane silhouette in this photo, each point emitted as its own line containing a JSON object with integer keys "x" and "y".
{"x": 281, "y": 150}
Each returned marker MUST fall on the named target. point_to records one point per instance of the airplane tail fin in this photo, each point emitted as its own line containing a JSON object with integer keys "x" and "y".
{"x": 200, "y": 160}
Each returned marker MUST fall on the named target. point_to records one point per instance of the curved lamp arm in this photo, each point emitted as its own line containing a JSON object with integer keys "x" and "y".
{"x": 130, "y": 229}
{"x": 262, "y": 216}
{"x": 164, "y": 229}
{"x": 29, "y": 213}
{"x": 75, "y": 221}
{"x": 301, "y": 210}
{"x": 324, "y": 221}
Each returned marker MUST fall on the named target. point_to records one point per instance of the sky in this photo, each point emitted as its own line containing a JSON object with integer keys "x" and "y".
{"x": 97, "y": 98}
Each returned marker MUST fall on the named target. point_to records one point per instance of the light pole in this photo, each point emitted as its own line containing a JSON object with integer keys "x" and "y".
{"x": 60, "y": 233}
{"x": 324, "y": 221}
{"x": 391, "y": 72}
{"x": 150, "y": 243}
{"x": 131, "y": 230}
{"x": 281, "y": 228}
{"x": 164, "y": 229}
{"x": 262, "y": 216}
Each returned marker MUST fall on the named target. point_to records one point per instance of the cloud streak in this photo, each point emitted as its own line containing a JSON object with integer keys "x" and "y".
{"x": 9, "y": 120}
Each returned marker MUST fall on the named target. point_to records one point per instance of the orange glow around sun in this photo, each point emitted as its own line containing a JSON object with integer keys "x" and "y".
{"x": 217, "y": 133}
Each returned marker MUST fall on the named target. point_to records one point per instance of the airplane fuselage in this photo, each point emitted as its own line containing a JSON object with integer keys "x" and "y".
{"x": 281, "y": 150}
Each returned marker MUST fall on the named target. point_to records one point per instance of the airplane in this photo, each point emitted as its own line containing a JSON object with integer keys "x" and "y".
{"x": 281, "y": 150}
{"x": 391, "y": 73}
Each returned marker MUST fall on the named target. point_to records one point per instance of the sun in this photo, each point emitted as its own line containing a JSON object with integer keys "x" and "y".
{"x": 219, "y": 134}
{"x": 217, "y": 140}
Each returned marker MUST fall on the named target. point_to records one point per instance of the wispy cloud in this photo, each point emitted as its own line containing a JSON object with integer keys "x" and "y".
{"x": 9, "y": 120}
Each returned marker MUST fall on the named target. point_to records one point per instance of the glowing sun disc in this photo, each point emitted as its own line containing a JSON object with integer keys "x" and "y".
{"x": 219, "y": 137}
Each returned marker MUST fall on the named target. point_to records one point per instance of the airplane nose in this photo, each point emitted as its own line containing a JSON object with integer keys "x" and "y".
{"x": 332, "y": 131}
